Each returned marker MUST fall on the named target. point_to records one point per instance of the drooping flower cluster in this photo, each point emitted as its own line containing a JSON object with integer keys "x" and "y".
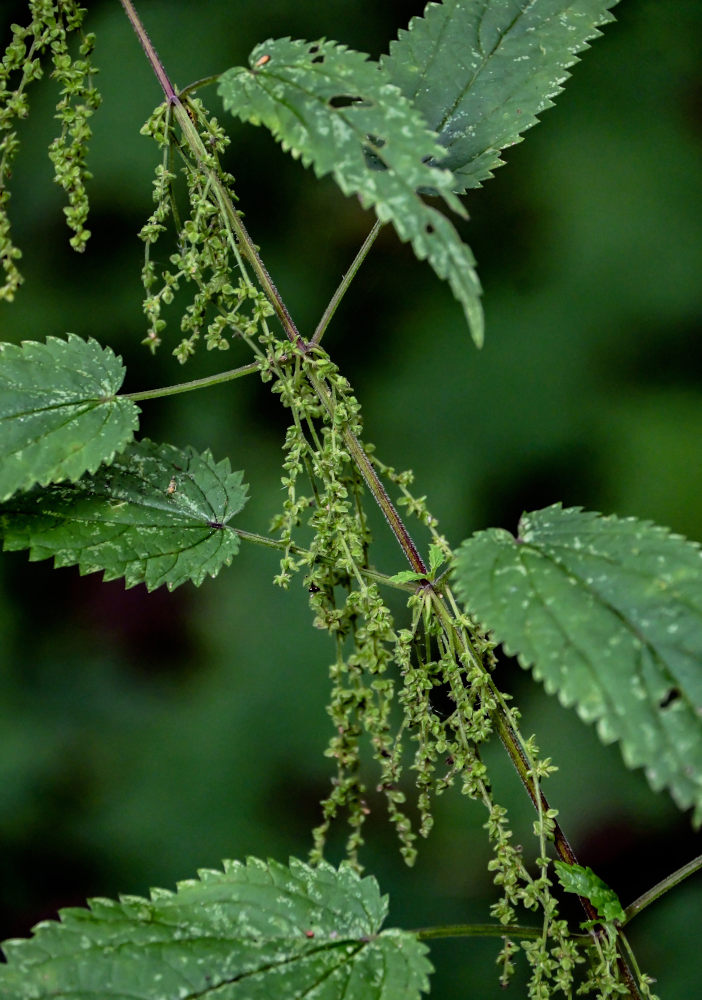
{"x": 205, "y": 254}
{"x": 54, "y": 33}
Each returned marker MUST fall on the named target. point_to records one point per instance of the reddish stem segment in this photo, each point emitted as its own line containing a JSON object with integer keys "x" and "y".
{"x": 151, "y": 53}
{"x": 359, "y": 455}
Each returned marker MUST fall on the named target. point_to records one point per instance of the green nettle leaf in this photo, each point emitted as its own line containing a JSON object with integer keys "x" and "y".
{"x": 608, "y": 612}
{"x": 253, "y": 931}
{"x": 584, "y": 882}
{"x": 407, "y": 576}
{"x": 157, "y": 515}
{"x": 59, "y": 416}
{"x": 480, "y": 71}
{"x": 340, "y": 113}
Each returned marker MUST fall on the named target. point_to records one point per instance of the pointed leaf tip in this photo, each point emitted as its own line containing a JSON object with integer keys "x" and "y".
{"x": 339, "y": 112}
{"x": 481, "y": 71}
{"x": 157, "y": 515}
{"x": 607, "y": 612}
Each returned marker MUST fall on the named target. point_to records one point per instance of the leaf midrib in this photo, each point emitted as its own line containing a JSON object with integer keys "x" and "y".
{"x": 462, "y": 93}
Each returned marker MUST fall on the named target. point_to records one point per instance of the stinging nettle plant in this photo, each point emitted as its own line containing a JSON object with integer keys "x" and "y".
{"x": 606, "y": 611}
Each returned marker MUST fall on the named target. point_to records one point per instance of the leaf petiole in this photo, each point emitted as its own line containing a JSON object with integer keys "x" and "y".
{"x": 198, "y": 383}
{"x": 345, "y": 282}
{"x": 296, "y": 550}
{"x": 204, "y": 82}
{"x": 484, "y": 931}
{"x": 658, "y": 890}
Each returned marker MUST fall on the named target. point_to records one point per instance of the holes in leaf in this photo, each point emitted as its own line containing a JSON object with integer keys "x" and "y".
{"x": 669, "y": 698}
{"x": 370, "y": 155}
{"x": 314, "y": 51}
{"x": 343, "y": 101}
{"x": 429, "y": 229}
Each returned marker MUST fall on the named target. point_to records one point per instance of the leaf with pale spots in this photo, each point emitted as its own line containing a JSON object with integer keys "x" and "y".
{"x": 480, "y": 71}
{"x": 607, "y": 612}
{"x": 341, "y": 114}
{"x": 157, "y": 515}
{"x": 59, "y": 412}
{"x": 251, "y": 932}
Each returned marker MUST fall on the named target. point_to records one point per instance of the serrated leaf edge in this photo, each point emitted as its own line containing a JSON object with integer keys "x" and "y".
{"x": 15, "y": 352}
{"x": 604, "y": 723}
{"x": 535, "y": 118}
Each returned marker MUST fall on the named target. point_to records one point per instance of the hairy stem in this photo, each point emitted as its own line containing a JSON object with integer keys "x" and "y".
{"x": 150, "y": 51}
{"x": 380, "y": 495}
{"x": 203, "y": 159}
{"x": 345, "y": 282}
{"x": 191, "y": 136}
{"x": 193, "y": 140}
{"x": 277, "y": 543}
{"x": 658, "y": 890}
{"x": 197, "y": 383}
{"x": 512, "y": 743}
{"x": 483, "y": 931}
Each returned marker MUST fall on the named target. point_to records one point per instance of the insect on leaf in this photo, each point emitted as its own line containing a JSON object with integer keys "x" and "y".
{"x": 158, "y": 515}
{"x": 341, "y": 114}
{"x": 480, "y": 71}
{"x": 59, "y": 413}
{"x": 607, "y": 612}
{"x": 251, "y": 932}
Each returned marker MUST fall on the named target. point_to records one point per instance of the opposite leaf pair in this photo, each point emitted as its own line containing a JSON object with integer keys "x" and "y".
{"x": 607, "y": 611}
{"x": 460, "y": 84}
{"x": 154, "y": 514}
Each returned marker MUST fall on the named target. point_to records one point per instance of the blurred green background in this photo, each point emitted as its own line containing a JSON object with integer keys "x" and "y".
{"x": 143, "y": 736}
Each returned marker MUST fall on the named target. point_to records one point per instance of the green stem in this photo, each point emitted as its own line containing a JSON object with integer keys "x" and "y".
{"x": 150, "y": 51}
{"x": 197, "y": 383}
{"x": 345, "y": 282}
{"x": 276, "y": 543}
{"x": 658, "y": 890}
{"x": 359, "y": 456}
{"x": 204, "y": 82}
{"x": 203, "y": 159}
{"x": 365, "y": 467}
{"x": 192, "y": 137}
{"x": 483, "y": 931}
{"x": 509, "y": 735}
{"x": 631, "y": 957}
{"x": 512, "y": 743}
